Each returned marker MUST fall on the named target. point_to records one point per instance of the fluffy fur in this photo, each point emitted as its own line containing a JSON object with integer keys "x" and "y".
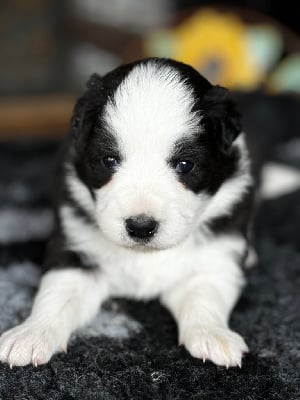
{"x": 132, "y": 132}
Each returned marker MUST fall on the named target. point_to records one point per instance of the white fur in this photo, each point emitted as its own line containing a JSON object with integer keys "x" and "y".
{"x": 151, "y": 107}
{"x": 199, "y": 289}
{"x": 78, "y": 190}
{"x": 201, "y": 304}
{"x": 66, "y": 300}
{"x": 196, "y": 275}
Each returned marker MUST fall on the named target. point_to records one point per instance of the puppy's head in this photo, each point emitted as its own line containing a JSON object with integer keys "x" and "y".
{"x": 153, "y": 143}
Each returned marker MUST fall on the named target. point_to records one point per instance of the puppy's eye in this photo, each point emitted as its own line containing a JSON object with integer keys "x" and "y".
{"x": 184, "y": 166}
{"x": 110, "y": 162}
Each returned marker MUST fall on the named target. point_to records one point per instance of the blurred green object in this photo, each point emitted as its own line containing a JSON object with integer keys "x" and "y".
{"x": 265, "y": 44}
{"x": 160, "y": 43}
{"x": 286, "y": 77}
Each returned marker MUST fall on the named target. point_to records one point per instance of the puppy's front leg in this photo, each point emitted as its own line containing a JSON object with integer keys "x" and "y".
{"x": 66, "y": 300}
{"x": 201, "y": 306}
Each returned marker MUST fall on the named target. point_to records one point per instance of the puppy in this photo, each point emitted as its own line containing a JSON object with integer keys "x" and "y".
{"x": 153, "y": 199}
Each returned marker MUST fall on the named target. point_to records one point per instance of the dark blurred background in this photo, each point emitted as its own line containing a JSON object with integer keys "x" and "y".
{"x": 50, "y": 47}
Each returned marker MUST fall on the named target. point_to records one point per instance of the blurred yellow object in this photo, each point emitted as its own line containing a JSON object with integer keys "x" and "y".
{"x": 216, "y": 45}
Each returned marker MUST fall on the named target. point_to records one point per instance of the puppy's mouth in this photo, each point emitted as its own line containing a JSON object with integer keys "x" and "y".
{"x": 152, "y": 244}
{"x": 145, "y": 244}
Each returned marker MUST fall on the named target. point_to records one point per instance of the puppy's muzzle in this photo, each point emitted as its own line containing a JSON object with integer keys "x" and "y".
{"x": 141, "y": 227}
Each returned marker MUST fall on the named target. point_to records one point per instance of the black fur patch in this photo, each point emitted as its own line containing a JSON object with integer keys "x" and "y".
{"x": 100, "y": 143}
{"x": 238, "y": 220}
{"x": 221, "y": 119}
{"x": 59, "y": 257}
{"x": 211, "y": 166}
{"x": 78, "y": 210}
{"x": 61, "y": 194}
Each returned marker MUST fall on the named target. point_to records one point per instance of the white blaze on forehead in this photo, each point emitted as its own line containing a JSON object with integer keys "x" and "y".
{"x": 152, "y": 106}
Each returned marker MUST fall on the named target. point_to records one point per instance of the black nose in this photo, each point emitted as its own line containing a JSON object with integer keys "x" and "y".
{"x": 141, "y": 227}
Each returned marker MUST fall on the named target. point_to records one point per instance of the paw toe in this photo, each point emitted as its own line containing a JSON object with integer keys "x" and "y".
{"x": 220, "y": 345}
{"x": 24, "y": 345}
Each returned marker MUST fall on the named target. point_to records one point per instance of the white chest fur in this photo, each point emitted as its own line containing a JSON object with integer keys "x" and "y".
{"x": 144, "y": 274}
{"x": 131, "y": 272}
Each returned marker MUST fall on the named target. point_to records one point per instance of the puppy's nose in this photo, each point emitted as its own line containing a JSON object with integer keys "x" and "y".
{"x": 141, "y": 227}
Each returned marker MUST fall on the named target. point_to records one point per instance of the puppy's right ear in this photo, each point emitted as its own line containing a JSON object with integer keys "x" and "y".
{"x": 86, "y": 107}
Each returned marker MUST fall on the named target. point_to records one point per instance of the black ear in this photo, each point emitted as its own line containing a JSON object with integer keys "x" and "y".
{"x": 221, "y": 117}
{"x": 86, "y": 107}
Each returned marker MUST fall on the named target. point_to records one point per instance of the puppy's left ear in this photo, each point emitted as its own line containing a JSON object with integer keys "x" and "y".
{"x": 221, "y": 117}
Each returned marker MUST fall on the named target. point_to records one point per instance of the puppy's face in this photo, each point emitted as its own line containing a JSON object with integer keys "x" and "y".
{"x": 153, "y": 144}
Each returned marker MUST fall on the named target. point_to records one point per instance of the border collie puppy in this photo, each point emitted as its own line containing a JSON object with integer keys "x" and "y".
{"x": 152, "y": 200}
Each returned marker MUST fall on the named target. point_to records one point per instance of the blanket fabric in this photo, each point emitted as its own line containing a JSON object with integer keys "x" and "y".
{"x": 130, "y": 351}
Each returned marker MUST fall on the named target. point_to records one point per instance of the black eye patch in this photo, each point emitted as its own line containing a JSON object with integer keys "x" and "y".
{"x": 199, "y": 165}
{"x": 190, "y": 162}
{"x": 102, "y": 157}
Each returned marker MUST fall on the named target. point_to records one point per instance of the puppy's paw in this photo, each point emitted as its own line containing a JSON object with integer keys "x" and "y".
{"x": 28, "y": 343}
{"x": 218, "y": 344}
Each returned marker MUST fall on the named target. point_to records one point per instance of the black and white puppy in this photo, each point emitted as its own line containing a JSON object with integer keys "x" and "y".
{"x": 153, "y": 200}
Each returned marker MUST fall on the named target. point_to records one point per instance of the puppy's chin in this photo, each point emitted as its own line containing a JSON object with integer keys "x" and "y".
{"x": 155, "y": 244}
{"x": 150, "y": 246}
{"x": 143, "y": 247}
